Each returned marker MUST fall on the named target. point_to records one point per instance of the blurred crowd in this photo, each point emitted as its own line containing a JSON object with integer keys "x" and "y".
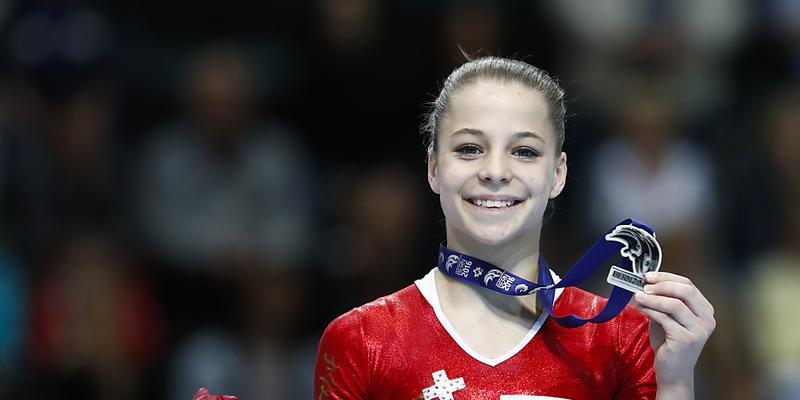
{"x": 191, "y": 191}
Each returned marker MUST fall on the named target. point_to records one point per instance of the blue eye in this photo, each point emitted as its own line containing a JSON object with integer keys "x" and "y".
{"x": 526, "y": 152}
{"x": 468, "y": 150}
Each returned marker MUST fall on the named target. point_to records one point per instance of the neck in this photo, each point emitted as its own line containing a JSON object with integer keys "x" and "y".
{"x": 520, "y": 257}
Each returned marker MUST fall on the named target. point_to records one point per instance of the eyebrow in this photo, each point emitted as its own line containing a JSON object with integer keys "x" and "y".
{"x": 516, "y": 136}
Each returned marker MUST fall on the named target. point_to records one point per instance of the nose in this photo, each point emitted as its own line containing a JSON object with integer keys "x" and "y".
{"x": 494, "y": 170}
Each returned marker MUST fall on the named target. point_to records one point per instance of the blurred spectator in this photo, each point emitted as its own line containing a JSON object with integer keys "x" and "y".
{"x": 263, "y": 355}
{"x": 22, "y": 126}
{"x": 780, "y": 131}
{"x": 58, "y": 110}
{"x": 691, "y": 38}
{"x": 761, "y": 156}
{"x": 774, "y": 279}
{"x": 782, "y": 35}
{"x": 364, "y": 81}
{"x": 59, "y": 166}
{"x": 377, "y": 244}
{"x": 611, "y": 25}
{"x": 648, "y": 170}
{"x": 83, "y": 157}
{"x": 208, "y": 358}
{"x": 773, "y": 295}
{"x": 279, "y": 351}
{"x": 96, "y": 327}
{"x": 350, "y": 26}
{"x": 219, "y": 184}
{"x": 65, "y": 176}
{"x": 476, "y": 26}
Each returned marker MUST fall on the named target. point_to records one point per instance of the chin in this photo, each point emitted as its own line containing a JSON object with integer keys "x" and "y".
{"x": 492, "y": 236}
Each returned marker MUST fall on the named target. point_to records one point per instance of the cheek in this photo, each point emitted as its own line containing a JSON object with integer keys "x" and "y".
{"x": 539, "y": 189}
{"x": 546, "y": 178}
{"x": 451, "y": 185}
{"x": 536, "y": 179}
{"x": 453, "y": 179}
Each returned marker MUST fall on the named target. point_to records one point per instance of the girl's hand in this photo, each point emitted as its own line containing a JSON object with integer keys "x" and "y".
{"x": 203, "y": 394}
{"x": 681, "y": 321}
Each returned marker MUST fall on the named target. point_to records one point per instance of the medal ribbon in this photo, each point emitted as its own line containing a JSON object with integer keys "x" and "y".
{"x": 478, "y": 272}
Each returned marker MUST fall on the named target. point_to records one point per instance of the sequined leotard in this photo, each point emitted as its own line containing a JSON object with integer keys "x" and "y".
{"x": 402, "y": 347}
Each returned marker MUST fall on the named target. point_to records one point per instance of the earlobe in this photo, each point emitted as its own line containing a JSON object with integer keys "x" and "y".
{"x": 560, "y": 176}
{"x": 433, "y": 180}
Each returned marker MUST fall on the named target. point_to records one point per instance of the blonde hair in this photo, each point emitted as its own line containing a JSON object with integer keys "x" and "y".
{"x": 503, "y": 69}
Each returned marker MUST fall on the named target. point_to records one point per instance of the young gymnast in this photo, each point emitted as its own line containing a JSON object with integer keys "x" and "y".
{"x": 495, "y": 160}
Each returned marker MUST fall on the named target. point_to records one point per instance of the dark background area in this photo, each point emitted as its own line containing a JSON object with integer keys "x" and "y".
{"x": 191, "y": 191}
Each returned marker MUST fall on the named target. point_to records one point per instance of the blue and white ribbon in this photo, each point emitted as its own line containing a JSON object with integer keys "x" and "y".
{"x": 475, "y": 271}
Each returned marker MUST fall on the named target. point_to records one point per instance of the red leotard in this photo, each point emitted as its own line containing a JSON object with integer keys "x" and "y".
{"x": 395, "y": 347}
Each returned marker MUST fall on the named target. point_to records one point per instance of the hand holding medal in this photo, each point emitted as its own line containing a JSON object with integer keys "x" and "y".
{"x": 681, "y": 321}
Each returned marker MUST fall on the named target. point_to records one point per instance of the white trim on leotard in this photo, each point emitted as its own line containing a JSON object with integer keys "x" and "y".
{"x": 427, "y": 286}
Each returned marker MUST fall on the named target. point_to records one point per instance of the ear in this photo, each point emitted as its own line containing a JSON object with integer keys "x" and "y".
{"x": 561, "y": 176}
{"x": 433, "y": 172}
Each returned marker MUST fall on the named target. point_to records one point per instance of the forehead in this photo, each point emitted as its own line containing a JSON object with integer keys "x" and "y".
{"x": 498, "y": 107}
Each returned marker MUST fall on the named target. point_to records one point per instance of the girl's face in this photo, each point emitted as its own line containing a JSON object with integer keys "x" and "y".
{"x": 496, "y": 165}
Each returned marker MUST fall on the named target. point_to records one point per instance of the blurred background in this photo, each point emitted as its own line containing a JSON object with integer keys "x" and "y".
{"x": 191, "y": 190}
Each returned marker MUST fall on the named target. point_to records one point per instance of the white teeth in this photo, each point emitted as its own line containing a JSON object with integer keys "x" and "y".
{"x": 494, "y": 203}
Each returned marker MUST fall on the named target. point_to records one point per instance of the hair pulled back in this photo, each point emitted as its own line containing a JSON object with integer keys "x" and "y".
{"x": 502, "y": 69}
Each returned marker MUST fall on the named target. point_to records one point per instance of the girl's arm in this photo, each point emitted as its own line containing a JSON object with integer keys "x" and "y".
{"x": 681, "y": 321}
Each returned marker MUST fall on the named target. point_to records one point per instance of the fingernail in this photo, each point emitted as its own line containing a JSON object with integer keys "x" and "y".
{"x": 650, "y": 276}
{"x": 639, "y": 296}
{"x": 648, "y": 288}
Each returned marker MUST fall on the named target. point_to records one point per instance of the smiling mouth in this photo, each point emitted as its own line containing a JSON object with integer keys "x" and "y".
{"x": 494, "y": 204}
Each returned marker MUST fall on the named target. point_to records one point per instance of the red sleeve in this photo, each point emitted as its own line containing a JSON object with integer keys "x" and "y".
{"x": 342, "y": 367}
{"x": 637, "y": 377}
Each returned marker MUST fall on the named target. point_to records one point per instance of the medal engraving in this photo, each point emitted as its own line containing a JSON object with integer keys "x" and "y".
{"x": 644, "y": 252}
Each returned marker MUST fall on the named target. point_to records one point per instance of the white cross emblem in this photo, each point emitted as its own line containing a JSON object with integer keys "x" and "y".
{"x": 443, "y": 387}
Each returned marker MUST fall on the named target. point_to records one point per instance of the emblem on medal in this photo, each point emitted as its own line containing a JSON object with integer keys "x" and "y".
{"x": 642, "y": 249}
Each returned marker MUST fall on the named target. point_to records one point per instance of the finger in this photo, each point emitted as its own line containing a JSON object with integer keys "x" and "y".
{"x": 689, "y": 294}
{"x": 201, "y": 394}
{"x": 671, "y": 306}
{"x": 668, "y": 324}
{"x": 653, "y": 277}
